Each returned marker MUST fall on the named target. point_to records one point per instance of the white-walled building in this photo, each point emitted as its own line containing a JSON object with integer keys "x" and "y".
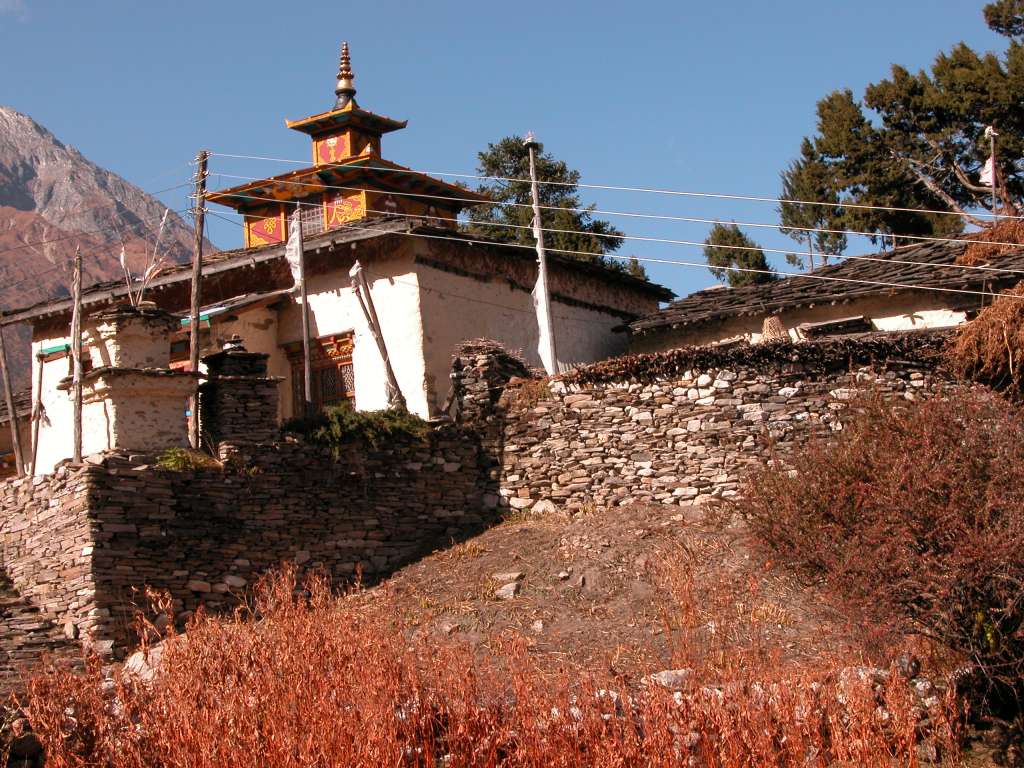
{"x": 917, "y": 286}
{"x": 432, "y": 285}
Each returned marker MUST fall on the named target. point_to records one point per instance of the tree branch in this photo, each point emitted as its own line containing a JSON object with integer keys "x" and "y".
{"x": 957, "y": 170}
{"x": 938, "y": 191}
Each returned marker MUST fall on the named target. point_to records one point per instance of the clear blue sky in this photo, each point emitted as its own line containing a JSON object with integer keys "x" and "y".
{"x": 708, "y": 96}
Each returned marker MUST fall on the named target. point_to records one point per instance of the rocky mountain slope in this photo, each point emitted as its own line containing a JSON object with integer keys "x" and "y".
{"x": 53, "y": 199}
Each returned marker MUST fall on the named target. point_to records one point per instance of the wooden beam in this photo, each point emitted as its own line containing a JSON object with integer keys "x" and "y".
{"x": 76, "y": 355}
{"x": 197, "y": 282}
{"x": 11, "y": 412}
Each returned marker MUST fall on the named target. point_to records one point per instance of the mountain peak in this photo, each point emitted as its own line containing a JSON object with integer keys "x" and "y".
{"x": 54, "y": 199}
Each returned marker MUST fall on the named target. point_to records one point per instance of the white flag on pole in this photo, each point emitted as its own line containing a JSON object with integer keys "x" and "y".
{"x": 293, "y": 248}
{"x": 542, "y": 306}
{"x": 988, "y": 173}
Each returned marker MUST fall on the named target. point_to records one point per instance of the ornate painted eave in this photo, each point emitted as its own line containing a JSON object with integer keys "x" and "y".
{"x": 348, "y": 117}
{"x": 370, "y": 173}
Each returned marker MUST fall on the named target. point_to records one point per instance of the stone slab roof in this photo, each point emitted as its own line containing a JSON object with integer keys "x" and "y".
{"x": 241, "y": 259}
{"x": 887, "y": 274}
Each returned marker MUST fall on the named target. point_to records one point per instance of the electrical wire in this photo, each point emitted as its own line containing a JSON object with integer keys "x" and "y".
{"x": 629, "y": 214}
{"x": 669, "y": 241}
{"x": 701, "y": 265}
{"x": 650, "y": 190}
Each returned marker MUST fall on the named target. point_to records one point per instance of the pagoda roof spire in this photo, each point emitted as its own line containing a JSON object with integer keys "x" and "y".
{"x": 345, "y": 89}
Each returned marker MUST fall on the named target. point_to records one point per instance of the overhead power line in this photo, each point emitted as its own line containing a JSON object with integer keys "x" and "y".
{"x": 628, "y": 214}
{"x": 670, "y": 241}
{"x": 650, "y": 190}
{"x": 467, "y": 240}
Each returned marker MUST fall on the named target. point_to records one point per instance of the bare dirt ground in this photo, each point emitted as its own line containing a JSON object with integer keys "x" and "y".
{"x": 633, "y": 590}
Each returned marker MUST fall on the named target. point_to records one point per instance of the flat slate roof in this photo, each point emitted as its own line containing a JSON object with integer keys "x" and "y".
{"x": 885, "y": 274}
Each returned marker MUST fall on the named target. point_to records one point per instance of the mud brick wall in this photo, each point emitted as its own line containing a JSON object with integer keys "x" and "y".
{"x": 682, "y": 428}
{"x": 207, "y": 535}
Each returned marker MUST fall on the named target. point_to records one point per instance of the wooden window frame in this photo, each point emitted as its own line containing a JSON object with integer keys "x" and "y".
{"x": 329, "y": 356}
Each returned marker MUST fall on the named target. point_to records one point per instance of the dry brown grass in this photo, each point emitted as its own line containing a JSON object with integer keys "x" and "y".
{"x": 325, "y": 681}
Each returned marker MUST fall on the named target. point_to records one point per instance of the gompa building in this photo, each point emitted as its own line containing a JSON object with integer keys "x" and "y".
{"x": 432, "y": 285}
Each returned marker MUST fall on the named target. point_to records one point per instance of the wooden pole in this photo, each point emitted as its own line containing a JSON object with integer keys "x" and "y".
{"x": 76, "y": 356}
{"x": 11, "y": 413}
{"x": 37, "y": 412}
{"x": 307, "y": 362}
{"x": 362, "y": 290}
{"x": 197, "y": 284}
{"x": 995, "y": 176}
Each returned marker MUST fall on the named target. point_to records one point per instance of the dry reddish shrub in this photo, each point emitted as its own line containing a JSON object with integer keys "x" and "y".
{"x": 990, "y": 348}
{"x": 995, "y": 238}
{"x": 321, "y": 681}
{"x": 915, "y": 511}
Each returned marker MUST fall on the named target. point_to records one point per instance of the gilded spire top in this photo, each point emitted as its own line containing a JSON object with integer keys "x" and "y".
{"x": 345, "y": 89}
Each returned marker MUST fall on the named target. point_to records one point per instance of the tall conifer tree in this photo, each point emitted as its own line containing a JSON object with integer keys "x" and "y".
{"x": 728, "y": 246}
{"x": 924, "y": 145}
{"x": 568, "y": 223}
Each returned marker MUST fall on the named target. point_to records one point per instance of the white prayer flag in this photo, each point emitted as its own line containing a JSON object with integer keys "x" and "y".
{"x": 124, "y": 260}
{"x": 988, "y": 173}
{"x": 542, "y": 305}
{"x": 293, "y": 248}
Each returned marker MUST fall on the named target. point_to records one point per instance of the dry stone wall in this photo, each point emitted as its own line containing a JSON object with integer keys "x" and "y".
{"x": 46, "y": 590}
{"x": 207, "y": 535}
{"x": 680, "y": 439}
{"x": 81, "y": 545}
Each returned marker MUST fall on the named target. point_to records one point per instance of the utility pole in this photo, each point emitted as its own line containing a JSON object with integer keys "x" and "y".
{"x": 197, "y": 285}
{"x": 297, "y": 261}
{"x": 11, "y": 413}
{"x": 541, "y": 296}
{"x": 76, "y": 356}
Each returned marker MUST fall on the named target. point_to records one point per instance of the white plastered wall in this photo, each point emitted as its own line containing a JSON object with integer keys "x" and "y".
{"x": 55, "y": 431}
{"x": 334, "y": 309}
{"x": 457, "y": 308}
{"x": 897, "y": 313}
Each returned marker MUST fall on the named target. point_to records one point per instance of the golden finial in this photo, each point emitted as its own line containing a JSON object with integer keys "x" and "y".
{"x": 345, "y": 89}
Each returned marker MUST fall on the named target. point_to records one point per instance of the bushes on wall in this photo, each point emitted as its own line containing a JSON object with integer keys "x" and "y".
{"x": 916, "y": 512}
{"x": 339, "y": 426}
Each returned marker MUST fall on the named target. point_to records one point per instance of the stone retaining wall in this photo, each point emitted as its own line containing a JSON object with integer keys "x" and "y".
{"x": 594, "y": 441}
{"x": 80, "y": 545}
{"x": 47, "y": 543}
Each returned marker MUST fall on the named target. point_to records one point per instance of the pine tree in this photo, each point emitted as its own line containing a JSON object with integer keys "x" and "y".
{"x": 809, "y": 178}
{"x": 728, "y": 246}
{"x": 568, "y": 224}
{"x": 924, "y": 145}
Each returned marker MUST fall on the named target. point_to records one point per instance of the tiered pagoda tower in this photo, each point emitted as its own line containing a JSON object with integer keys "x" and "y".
{"x": 348, "y": 182}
